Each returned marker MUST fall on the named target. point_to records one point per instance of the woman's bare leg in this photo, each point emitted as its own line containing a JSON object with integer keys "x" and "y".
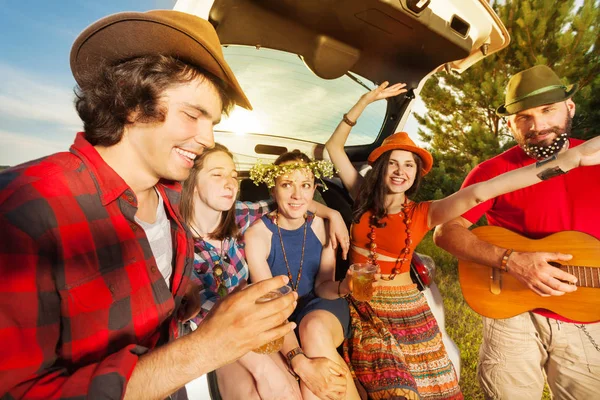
{"x": 236, "y": 382}
{"x": 320, "y": 335}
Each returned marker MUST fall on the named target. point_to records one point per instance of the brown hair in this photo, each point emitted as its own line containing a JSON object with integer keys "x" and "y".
{"x": 106, "y": 98}
{"x": 371, "y": 195}
{"x": 227, "y": 227}
{"x": 294, "y": 155}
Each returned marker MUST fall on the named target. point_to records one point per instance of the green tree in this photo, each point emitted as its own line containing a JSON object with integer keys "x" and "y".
{"x": 461, "y": 126}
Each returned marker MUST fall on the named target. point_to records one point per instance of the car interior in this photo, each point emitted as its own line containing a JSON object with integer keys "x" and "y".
{"x": 303, "y": 63}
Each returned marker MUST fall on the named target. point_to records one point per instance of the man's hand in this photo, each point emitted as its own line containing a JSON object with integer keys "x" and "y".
{"x": 324, "y": 378}
{"x": 190, "y": 304}
{"x": 338, "y": 233}
{"x": 533, "y": 270}
{"x": 237, "y": 324}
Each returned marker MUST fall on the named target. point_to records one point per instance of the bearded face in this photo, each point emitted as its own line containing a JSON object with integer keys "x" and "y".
{"x": 543, "y": 131}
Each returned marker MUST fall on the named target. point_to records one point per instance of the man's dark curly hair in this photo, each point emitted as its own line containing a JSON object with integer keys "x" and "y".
{"x": 107, "y": 98}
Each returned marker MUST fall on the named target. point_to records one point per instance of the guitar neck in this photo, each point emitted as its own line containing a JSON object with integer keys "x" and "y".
{"x": 586, "y": 276}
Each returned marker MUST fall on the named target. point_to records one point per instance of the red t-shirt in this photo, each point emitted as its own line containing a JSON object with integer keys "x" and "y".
{"x": 566, "y": 202}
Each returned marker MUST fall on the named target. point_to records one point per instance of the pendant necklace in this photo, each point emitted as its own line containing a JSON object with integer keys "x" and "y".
{"x": 287, "y": 265}
{"x": 217, "y": 267}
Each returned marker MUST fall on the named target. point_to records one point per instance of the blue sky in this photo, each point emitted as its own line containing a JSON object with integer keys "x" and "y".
{"x": 36, "y": 91}
{"x": 37, "y": 116}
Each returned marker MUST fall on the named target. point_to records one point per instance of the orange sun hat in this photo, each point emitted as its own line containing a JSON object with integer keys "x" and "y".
{"x": 401, "y": 141}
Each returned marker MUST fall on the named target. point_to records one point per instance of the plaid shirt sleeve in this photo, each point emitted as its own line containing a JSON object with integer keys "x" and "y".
{"x": 235, "y": 269}
{"x": 30, "y": 321}
{"x": 247, "y": 212}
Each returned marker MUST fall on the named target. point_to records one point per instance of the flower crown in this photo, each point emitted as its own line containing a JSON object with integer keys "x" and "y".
{"x": 267, "y": 173}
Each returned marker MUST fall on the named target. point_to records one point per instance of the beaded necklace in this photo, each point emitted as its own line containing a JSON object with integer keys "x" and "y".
{"x": 287, "y": 265}
{"x": 402, "y": 257}
{"x": 217, "y": 267}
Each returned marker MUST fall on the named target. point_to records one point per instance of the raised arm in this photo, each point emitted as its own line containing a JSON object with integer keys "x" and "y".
{"x": 335, "y": 145}
{"x": 456, "y": 204}
{"x": 531, "y": 268}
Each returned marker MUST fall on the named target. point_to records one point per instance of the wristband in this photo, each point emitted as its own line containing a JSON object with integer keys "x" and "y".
{"x": 504, "y": 262}
{"x": 348, "y": 120}
{"x": 289, "y": 357}
{"x": 550, "y": 173}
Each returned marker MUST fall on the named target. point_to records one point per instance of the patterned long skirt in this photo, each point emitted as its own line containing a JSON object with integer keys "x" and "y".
{"x": 395, "y": 349}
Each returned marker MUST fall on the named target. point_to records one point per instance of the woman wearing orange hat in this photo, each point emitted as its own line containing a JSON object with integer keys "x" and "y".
{"x": 395, "y": 348}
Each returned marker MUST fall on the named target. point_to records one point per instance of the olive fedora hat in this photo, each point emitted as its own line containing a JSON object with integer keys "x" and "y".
{"x": 127, "y": 35}
{"x": 534, "y": 87}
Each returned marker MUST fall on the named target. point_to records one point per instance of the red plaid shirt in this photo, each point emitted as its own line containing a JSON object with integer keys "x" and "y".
{"x": 81, "y": 297}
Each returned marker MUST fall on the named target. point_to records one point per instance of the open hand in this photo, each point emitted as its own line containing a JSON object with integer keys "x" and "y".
{"x": 533, "y": 270}
{"x": 384, "y": 91}
{"x": 248, "y": 325}
{"x": 324, "y": 378}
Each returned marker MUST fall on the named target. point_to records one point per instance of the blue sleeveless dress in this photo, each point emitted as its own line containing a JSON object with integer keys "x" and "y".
{"x": 307, "y": 299}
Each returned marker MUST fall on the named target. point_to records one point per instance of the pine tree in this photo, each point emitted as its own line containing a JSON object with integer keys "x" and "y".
{"x": 461, "y": 126}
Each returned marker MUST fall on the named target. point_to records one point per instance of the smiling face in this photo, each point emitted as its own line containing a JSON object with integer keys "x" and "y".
{"x": 216, "y": 183}
{"x": 539, "y": 127}
{"x": 293, "y": 193}
{"x": 167, "y": 149}
{"x": 401, "y": 171}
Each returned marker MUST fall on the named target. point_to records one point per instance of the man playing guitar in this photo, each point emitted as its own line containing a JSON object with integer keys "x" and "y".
{"x": 518, "y": 354}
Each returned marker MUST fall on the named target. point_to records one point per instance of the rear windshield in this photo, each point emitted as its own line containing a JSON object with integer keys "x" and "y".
{"x": 290, "y": 101}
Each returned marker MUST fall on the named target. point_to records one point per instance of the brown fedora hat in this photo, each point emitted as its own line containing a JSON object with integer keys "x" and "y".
{"x": 534, "y": 87}
{"x": 126, "y": 35}
{"x": 401, "y": 141}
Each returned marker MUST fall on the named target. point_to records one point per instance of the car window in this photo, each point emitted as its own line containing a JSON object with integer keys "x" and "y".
{"x": 291, "y": 101}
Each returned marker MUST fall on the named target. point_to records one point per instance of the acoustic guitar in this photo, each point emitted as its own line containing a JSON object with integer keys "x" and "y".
{"x": 495, "y": 294}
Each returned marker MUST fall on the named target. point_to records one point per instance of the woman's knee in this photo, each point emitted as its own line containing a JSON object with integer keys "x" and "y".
{"x": 320, "y": 328}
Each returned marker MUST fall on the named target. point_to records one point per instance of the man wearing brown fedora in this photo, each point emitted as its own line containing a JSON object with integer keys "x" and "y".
{"x": 519, "y": 354}
{"x": 94, "y": 259}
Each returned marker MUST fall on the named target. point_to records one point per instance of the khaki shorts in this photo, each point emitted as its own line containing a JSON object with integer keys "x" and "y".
{"x": 518, "y": 354}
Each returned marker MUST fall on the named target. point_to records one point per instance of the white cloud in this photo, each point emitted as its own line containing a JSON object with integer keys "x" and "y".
{"x": 29, "y": 97}
{"x": 16, "y": 148}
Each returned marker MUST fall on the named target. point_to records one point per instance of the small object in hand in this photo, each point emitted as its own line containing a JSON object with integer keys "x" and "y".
{"x": 363, "y": 276}
{"x": 274, "y": 345}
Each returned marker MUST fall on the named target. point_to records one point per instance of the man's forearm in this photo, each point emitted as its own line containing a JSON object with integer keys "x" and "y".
{"x": 168, "y": 368}
{"x": 463, "y": 244}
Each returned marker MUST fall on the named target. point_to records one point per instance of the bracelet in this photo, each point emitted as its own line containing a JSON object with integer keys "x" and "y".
{"x": 348, "y": 120}
{"x": 340, "y": 292}
{"x": 504, "y": 262}
{"x": 289, "y": 357}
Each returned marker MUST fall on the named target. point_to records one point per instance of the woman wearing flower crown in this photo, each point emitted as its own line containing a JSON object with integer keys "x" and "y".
{"x": 217, "y": 221}
{"x": 289, "y": 241}
{"x": 396, "y": 348}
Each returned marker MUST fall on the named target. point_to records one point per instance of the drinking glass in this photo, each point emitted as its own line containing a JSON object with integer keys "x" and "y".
{"x": 276, "y": 344}
{"x": 363, "y": 276}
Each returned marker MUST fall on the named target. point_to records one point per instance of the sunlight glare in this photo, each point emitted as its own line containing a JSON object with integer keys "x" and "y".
{"x": 241, "y": 121}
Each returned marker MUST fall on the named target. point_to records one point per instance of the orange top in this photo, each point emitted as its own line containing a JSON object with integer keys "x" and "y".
{"x": 390, "y": 239}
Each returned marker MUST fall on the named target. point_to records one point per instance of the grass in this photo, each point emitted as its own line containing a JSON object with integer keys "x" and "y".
{"x": 462, "y": 324}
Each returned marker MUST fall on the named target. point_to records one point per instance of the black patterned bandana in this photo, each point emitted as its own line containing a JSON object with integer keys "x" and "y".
{"x": 542, "y": 152}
